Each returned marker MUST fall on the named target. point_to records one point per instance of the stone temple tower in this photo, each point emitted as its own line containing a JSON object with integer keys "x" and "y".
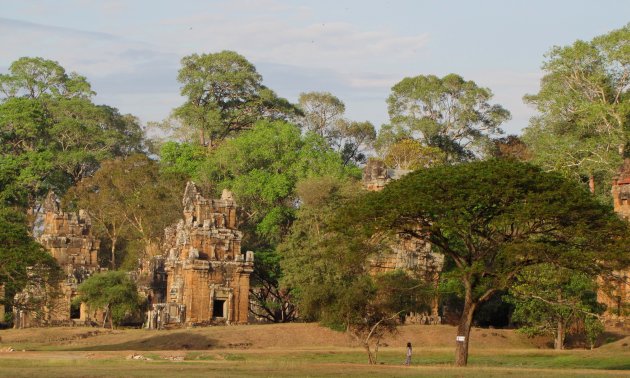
{"x": 207, "y": 274}
{"x": 621, "y": 190}
{"x": 407, "y": 253}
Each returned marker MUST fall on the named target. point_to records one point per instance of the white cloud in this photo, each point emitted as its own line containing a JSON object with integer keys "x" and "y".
{"x": 89, "y": 53}
{"x": 308, "y": 43}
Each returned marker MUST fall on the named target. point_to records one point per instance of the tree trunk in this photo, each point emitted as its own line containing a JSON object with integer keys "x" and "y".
{"x": 114, "y": 253}
{"x": 463, "y": 330}
{"x": 560, "y": 332}
{"x": 202, "y": 139}
{"x": 370, "y": 356}
{"x": 591, "y": 183}
{"x": 106, "y": 315}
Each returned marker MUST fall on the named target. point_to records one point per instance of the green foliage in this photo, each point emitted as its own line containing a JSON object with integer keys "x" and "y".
{"x": 181, "y": 158}
{"x": 323, "y": 115}
{"x": 274, "y": 302}
{"x": 113, "y": 291}
{"x": 130, "y": 199}
{"x": 51, "y": 134}
{"x": 262, "y": 167}
{"x": 225, "y": 95}
{"x": 354, "y": 138}
{"x": 24, "y": 261}
{"x": 550, "y": 299}
{"x": 38, "y": 77}
{"x": 322, "y": 111}
{"x": 593, "y": 329}
{"x": 493, "y": 219}
{"x": 584, "y": 109}
{"x": 411, "y": 154}
{"x": 311, "y": 266}
{"x": 449, "y": 113}
{"x": 330, "y": 274}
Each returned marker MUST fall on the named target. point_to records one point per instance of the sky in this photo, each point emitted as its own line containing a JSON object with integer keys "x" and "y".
{"x": 357, "y": 50}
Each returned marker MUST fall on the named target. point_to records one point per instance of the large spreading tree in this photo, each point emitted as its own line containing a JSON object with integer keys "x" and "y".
{"x": 493, "y": 219}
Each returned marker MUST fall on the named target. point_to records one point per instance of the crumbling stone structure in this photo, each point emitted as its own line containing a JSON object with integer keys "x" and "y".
{"x": 67, "y": 237}
{"x": 205, "y": 273}
{"x": 621, "y": 190}
{"x": 615, "y": 292}
{"x": 408, "y": 253}
{"x": 376, "y": 175}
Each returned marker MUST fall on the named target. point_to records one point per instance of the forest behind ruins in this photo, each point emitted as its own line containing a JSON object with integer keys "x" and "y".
{"x": 522, "y": 226}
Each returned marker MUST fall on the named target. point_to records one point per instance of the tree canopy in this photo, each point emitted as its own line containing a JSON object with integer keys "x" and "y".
{"x": 225, "y": 95}
{"x": 551, "y": 300}
{"x": 331, "y": 274}
{"x": 129, "y": 199}
{"x": 493, "y": 219}
{"x": 584, "y": 110}
{"x": 37, "y": 77}
{"x": 23, "y": 260}
{"x": 449, "y": 113}
{"x": 262, "y": 167}
{"x": 323, "y": 114}
{"x": 322, "y": 111}
{"x": 51, "y": 134}
{"x": 113, "y": 292}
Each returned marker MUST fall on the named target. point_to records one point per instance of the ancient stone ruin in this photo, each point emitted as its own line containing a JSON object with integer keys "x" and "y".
{"x": 376, "y": 175}
{"x": 202, "y": 276}
{"x": 67, "y": 237}
{"x": 621, "y": 190}
{"x": 615, "y": 292}
{"x": 408, "y": 253}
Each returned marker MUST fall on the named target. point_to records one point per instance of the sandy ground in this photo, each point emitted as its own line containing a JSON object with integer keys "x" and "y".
{"x": 266, "y": 350}
{"x": 294, "y": 335}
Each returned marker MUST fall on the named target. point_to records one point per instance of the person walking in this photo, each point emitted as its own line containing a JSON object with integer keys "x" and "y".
{"x": 408, "y": 360}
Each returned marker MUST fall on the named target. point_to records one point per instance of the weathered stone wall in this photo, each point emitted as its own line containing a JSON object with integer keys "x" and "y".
{"x": 207, "y": 276}
{"x": 67, "y": 237}
{"x": 408, "y": 253}
{"x": 621, "y": 190}
{"x": 376, "y": 175}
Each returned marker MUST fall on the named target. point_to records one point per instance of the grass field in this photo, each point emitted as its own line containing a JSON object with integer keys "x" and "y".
{"x": 305, "y": 350}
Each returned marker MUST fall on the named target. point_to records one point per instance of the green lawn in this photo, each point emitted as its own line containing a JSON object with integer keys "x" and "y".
{"x": 295, "y": 350}
{"x": 264, "y": 363}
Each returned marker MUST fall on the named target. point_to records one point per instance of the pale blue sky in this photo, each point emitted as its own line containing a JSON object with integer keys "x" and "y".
{"x": 130, "y": 50}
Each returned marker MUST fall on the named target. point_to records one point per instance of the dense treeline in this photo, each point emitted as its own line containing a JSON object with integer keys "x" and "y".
{"x": 511, "y": 215}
